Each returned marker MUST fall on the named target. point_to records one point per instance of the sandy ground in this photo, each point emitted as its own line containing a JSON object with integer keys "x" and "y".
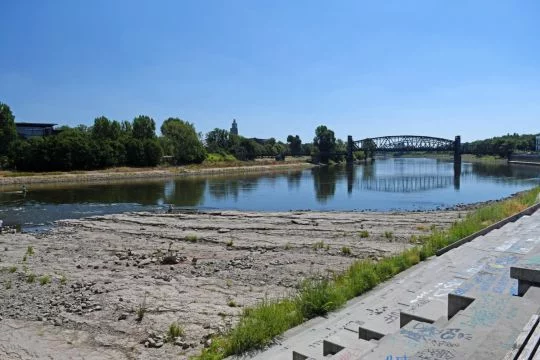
{"x": 197, "y": 269}
{"x": 7, "y": 179}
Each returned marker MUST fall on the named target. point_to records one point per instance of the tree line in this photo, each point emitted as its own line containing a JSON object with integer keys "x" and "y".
{"x": 110, "y": 143}
{"x": 502, "y": 146}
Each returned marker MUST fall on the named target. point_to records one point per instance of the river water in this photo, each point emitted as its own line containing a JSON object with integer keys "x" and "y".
{"x": 385, "y": 184}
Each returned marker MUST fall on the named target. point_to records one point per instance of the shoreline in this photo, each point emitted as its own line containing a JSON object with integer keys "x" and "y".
{"x": 154, "y": 173}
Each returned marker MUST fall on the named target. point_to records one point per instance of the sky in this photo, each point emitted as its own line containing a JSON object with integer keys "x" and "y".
{"x": 366, "y": 69}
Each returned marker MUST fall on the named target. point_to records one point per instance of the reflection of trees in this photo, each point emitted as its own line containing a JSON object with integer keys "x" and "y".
{"x": 324, "y": 181}
{"x": 368, "y": 170}
{"x": 294, "y": 179}
{"x": 186, "y": 192}
{"x": 225, "y": 187}
{"x": 147, "y": 193}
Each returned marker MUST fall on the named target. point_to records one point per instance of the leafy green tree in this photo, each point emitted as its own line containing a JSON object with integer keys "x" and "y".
{"x": 135, "y": 154}
{"x": 152, "y": 152}
{"x": 184, "y": 138}
{"x": 8, "y": 131}
{"x": 325, "y": 142}
{"x": 105, "y": 129}
{"x": 217, "y": 140}
{"x": 369, "y": 147}
{"x": 144, "y": 128}
{"x": 295, "y": 145}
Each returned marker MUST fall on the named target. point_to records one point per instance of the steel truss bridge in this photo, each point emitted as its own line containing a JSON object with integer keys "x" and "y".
{"x": 404, "y": 143}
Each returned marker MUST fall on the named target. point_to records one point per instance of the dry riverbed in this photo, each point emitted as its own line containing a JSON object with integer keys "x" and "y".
{"x": 117, "y": 282}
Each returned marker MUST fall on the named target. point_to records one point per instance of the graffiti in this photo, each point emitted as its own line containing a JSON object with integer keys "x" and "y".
{"x": 443, "y": 289}
{"x": 391, "y": 317}
{"x": 435, "y": 354}
{"x": 419, "y": 303}
{"x": 533, "y": 260}
{"x": 427, "y": 332}
{"x": 397, "y": 357}
{"x": 377, "y": 311}
{"x": 442, "y": 343}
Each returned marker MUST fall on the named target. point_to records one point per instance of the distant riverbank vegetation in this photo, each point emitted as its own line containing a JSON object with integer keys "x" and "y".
{"x": 110, "y": 143}
{"x": 501, "y": 146}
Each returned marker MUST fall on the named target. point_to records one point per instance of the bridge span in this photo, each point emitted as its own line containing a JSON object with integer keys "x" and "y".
{"x": 404, "y": 143}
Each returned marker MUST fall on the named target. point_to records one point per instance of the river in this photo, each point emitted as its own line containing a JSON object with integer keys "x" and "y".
{"x": 385, "y": 184}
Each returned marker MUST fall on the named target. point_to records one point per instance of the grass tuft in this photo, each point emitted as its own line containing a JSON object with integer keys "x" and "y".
{"x": 12, "y": 269}
{"x": 45, "y": 279}
{"x": 192, "y": 238}
{"x": 388, "y": 234}
{"x": 30, "y": 278}
{"x": 174, "y": 331}
{"x": 345, "y": 250}
{"x": 363, "y": 234}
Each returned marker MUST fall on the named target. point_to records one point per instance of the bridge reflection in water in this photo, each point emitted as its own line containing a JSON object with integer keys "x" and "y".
{"x": 401, "y": 183}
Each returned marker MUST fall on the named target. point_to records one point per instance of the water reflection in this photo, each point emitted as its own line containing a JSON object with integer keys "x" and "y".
{"x": 382, "y": 185}
{"x": 324, "y": 182}
{"x": 230, "y": 187}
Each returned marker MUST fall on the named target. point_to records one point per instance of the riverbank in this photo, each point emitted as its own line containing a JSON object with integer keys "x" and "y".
{"x": 111, "y": 286}
{"x": 17, "y": 178}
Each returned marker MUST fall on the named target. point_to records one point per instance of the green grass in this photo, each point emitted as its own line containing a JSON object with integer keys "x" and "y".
{"x": 345, "y": 250}
{"x": 30, "y": 250}
{"x": 63, "y": 280}
{"x": 12, "y": 269}
{"x": 174, "y": 332}
{"x": 388, "y": 234}
{"x": 30, "y": 278}
{"x": 192, "y": 238}
{"x": 215, "y": 157}
{"x": 232, "y": 303}
{"x": 229, "y": 243}
{"x": 364, "y": 234}
{"x": 141, "y": 310}
{"x": 318, "y": 245}
{"x": 7, "y": 284}
{"x": 259, "y": 325}
{"x": 45, "y": 279}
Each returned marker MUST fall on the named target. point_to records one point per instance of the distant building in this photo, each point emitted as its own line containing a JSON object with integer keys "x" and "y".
{"x": 538, "y": 142}
{"x": 234, "y": 128}
{"x": 260, "y": 141}
{"x": 31, "y": 130}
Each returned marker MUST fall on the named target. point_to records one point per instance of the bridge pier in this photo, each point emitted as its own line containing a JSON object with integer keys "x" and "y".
{"x": 457, "y": 150}
{"x": 350, "y": 148}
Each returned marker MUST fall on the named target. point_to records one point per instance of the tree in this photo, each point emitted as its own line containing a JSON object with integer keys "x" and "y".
{"x": 104, "y": 129}
{"x": 217, "y": 140}
{"x": 144, "y": 128}
{"x": 8, "y": 131}
{"x": 184, "y": 138}
{"x": 325, "y": 141}
{"x": 295, "y": 145}
{"x": 369, "y": 147}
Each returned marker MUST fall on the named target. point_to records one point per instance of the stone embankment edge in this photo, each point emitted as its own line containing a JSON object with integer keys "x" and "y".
{"x": 497, "y": 225}
{"x": 518, "y": 162}
{"x": 157, "y": 174}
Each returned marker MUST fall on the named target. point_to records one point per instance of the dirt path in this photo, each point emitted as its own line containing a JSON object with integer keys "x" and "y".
{"x": 197, "y": 269}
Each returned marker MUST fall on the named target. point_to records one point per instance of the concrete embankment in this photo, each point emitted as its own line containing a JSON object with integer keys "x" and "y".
{"x": 478, "y": 301}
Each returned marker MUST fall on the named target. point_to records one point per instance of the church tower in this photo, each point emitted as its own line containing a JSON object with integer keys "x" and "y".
{"x": 234, "y": 128}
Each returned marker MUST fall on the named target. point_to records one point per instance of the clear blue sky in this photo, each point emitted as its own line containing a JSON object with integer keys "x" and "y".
{"x": 430, "y": 67}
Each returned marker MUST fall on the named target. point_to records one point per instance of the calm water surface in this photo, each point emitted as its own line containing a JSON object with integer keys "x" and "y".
{"x": 386, "y": 184}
